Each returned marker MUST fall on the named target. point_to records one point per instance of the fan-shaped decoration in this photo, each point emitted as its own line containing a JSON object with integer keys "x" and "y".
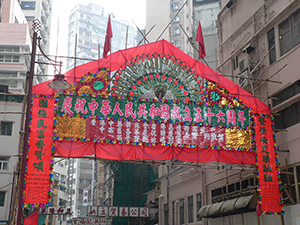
{"x": 158, "y": 76}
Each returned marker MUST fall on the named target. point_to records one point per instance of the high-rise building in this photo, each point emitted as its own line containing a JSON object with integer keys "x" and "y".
{"x": 87, "y": 30}
{"x": 15, "y": 45}
{"x": 177, "y": 22}
{"x": 59, "y": 196}
{"x": 81, "y": 178}
{"x": 206, "y": 12}
{"x": 178, "y": 31}
{"x": 40, "y": 10}
{"x": 14, "y": 63}
{"x": 15, "y": 48}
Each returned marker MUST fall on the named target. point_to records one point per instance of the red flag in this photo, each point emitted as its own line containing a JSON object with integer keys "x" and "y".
{"x": 258, "y": 209}
{"x": 32, "y": 219}
{"x": 199, "y": 38}
{"x": 107, "y": 39}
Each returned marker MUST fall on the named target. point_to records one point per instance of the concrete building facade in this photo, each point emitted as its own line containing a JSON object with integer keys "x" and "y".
{"x": 60, "y": 190}
{"x": 259, "y": 47}
{"x": 80, "y": 175}
{"x": 87, "y": 30}
{"x": 206, "y": 12}
{"x": 9, "y": 137}
{"x": 181, "y": 32}
{"x": 14, "y": 43}
{"x": 178, "y": 31}
{"x": 40, "y": 10}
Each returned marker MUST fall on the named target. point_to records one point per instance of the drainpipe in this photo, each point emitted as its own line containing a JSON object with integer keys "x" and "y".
{"x": 205, "y": 222}
{"x": 176, "y": 211}
{"x": 160, "y": 210}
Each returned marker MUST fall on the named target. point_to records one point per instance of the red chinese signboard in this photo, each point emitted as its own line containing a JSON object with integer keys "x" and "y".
{"x": 268, "y": 176}
{"x": 38, "y": 178}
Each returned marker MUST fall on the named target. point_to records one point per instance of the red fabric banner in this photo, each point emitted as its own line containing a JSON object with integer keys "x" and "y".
{"x": 142, "y": 152}
{"x": 32, "y": 219}
{"x": 109, "y": 35}
{"x": 199, "y": 38}
{"x": 268, "y": 183}
{"x": 39, "y": 152}
{"x": 154, "y": 133}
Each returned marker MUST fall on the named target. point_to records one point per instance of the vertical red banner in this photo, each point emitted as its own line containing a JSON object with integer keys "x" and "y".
{"x": 38, "y": 178}
{"x": 269, "y": 187}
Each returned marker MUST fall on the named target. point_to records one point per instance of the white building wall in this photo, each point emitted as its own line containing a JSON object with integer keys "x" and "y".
{"x": 9, "y": 150}
{"x": 157, "y": 15}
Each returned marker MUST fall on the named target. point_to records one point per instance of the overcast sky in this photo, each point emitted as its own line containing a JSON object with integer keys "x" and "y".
{"x": 122, "y": 9}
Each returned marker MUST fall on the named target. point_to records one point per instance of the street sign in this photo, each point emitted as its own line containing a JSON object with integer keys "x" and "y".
{"x": 56, "y": 210}
{"x": 86, "y": 221}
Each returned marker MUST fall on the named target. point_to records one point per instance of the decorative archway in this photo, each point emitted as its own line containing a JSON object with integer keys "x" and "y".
{"x": 152, "y": 102}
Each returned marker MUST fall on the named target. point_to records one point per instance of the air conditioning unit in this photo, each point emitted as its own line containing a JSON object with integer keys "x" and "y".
{"x": 243, "y": 65}
{"x": 243, "y": 80}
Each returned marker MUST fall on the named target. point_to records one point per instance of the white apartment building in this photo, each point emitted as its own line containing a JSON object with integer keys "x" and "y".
{"x": 182, "y": 31}
{"x": 41, "y": 10}
{"x": 60, "y": 194}
{"x": 88, "y": 23}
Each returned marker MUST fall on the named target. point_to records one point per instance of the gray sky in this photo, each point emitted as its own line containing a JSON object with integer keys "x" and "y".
{"x": 122, "y": 9}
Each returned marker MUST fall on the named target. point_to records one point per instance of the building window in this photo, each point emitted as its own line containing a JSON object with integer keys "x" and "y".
{"x": 63, "y": 178}
{"x": 9, "y": 58}
{"x": 289, "y": 32}
{"x": 220, "y": 194}
{"x": 30, "y": 18}
{"x": 291, "y": 185}
{"x": 191, "y": 209}
{"x": 176, "y": 31}
{"x": 3, "y": 163}
{"x": 9, "y": 49}
{"x": 175, "y": 5}
{"x": 177, "y": 18}
{"x": 199, "y": 204}
{"x": 176, "y": 43}
{"x": 10, "y": 83}
{"x": 166, "y": 214}
{"x": 6, "y": 128}
{"x": 2, "y": 198}
{"x": 235, "y": 62}
{"x": 288, "y": 116}
{"x": 271, "y": 41}
{"x": 8, "y": 74}
{"x": 28, "y": 5}
{"x": 173, "y": 213}
{"x": 88, "y": 181}
{"x": 181, "y": 211}
{"x": 287, "y": 93}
